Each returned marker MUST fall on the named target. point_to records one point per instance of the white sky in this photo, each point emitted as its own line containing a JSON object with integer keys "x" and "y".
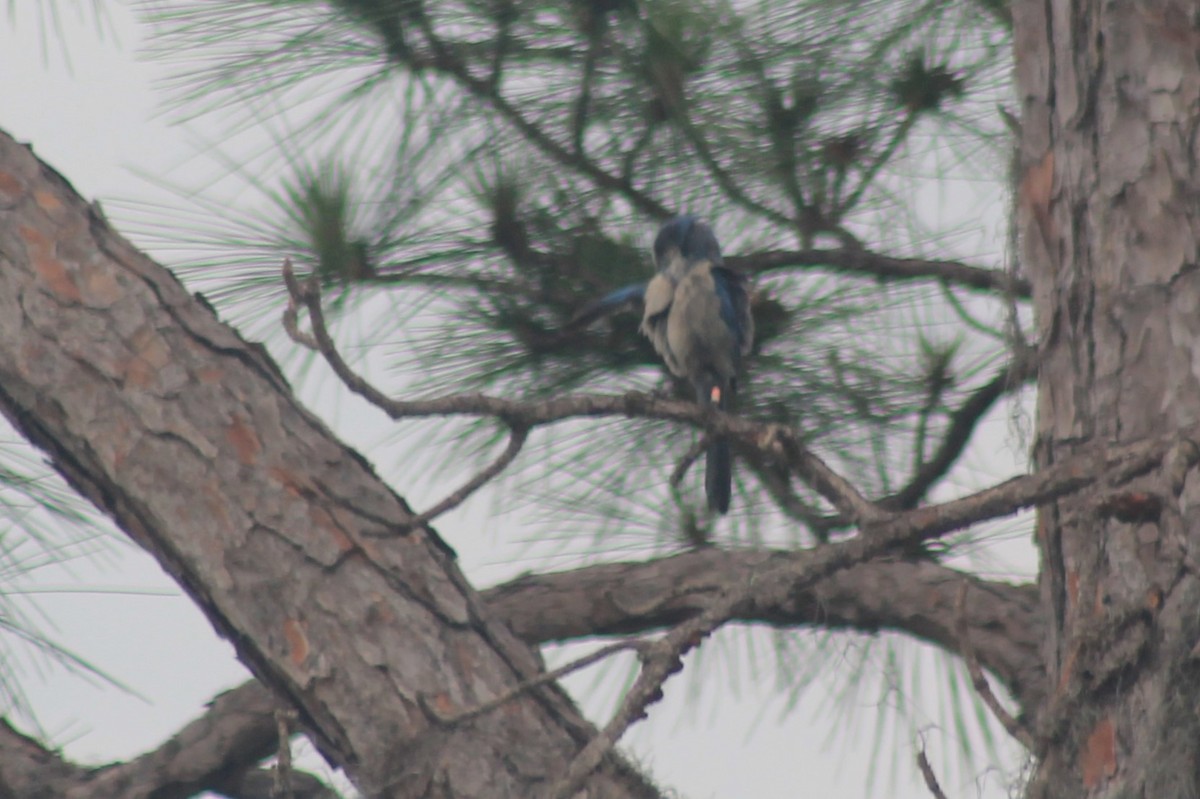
{"x": 95, "y": 122}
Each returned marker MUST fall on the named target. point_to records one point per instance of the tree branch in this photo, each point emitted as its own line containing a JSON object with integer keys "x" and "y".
{"x": 917, "y": 598}
{"x": 660, "y": 659}
{"x": 979, "y": 680}
{"x": 957, "y": 436}
{"x": 233, "y": 736}
{"x": 239, "y": 728}
{"x": 523, "y": 415}
{"x": 852, "y": 260}
{"x": 27, "y": 768}
{"x": 881, "y": 527}
{"x": 590, "y": 659}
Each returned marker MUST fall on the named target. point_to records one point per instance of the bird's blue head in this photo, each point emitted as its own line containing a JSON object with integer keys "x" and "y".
{"x": 691, "y": 237}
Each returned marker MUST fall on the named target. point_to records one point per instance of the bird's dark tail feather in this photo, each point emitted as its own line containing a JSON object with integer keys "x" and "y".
{"x": 718, "y": 476}
{"x": 718, "y": 467}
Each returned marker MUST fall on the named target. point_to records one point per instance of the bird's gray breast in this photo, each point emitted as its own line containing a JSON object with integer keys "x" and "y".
{"x": 699, "y": 338}
{"x": 683, "y": 321}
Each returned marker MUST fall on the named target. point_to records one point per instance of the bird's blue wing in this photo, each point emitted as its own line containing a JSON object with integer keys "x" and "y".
{"x": 735, "y": 306}
{"x": 609, "y": 303}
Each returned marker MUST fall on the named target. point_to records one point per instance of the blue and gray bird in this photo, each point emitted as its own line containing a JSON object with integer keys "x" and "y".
{"x": 697, "y": 316}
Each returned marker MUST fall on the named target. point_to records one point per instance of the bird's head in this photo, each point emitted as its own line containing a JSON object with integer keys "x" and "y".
{"x": 687, "y": 239}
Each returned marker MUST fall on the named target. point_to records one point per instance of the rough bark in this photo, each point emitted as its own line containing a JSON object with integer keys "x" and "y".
{"x": 919, "y": 599}
{"x": 286, "y": 539}
{"x": 1110, "y": 214}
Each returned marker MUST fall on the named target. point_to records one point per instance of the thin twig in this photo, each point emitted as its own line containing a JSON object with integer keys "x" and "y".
{"x": 931, "y": 781}
{"x": 445, "y": 59}
{"x": 778, "y": 483}
{"x": 638, "y": 644}
{"x": 660, "y": 660}
{"x": 962, "y": 422}
{"x": 291, "y": 322}
{"x": 725, "y": 180}
{"x": 685, "y": 463}
{"x": 308, "y": 294}
{"x": 979, "y": 680}
{"x": 516, "y": 440}
{"x": 959, "y": 432}
{"x": 284, "y": 719}
{"x": 579, "y": 119}
{"x": 883, "y": 158}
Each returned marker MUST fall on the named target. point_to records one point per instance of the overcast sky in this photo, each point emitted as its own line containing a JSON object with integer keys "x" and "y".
{"x": 89, "y": 107}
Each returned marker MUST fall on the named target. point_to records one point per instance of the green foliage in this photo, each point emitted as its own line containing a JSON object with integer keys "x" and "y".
{"x": 43, "y": 524}
{"x": 920, "y": 87}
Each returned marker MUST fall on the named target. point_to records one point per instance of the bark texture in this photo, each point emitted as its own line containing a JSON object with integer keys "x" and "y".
{"x": 296, "y": 551}
{"x": 918, "y": 598}
{"x": 1110, "y": 214}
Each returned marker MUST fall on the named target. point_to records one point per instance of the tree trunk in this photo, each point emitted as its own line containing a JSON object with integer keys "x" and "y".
{"x": 1110, "y": 213}
{"x": 299, "y": 555}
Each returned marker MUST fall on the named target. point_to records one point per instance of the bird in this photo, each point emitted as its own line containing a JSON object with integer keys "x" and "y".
{"x": 696, "y": 314}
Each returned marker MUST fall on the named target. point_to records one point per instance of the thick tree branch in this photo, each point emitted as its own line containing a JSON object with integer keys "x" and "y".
{"x": 30, "y": 770}
{"x": 917, "y": 598}
{"x": 235, "y": 734}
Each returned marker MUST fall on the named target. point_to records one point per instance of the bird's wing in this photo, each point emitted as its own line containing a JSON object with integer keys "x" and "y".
{"x": 734, "y": 297}
{"x": 609, "y": 303}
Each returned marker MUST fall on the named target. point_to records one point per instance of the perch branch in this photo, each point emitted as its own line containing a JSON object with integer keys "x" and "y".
{"x": 1098, "y": 462}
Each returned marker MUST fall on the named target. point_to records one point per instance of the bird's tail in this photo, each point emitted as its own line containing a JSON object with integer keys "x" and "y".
{"x": 718, "y": 468}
